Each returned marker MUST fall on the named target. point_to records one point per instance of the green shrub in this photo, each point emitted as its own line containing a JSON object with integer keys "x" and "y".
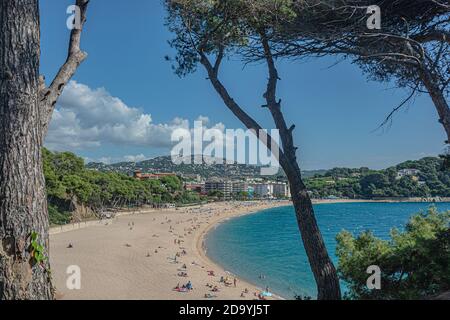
{"x": 58, "y": 218}
{"x": 414, "y": 264}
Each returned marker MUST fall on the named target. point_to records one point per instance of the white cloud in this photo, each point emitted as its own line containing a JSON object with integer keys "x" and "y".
{"x": 105, "y": 160}
{"x": 90, "y": 118}
{"x": 136, "y": 158}
{"x": 86, "y": 119}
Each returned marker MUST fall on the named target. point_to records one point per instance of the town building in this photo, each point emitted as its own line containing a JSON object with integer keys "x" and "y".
{"x": 281, "y": 190}
{"x": 192, "y": 177}
{"x": 223, "y": 186}
{"x": 408, "y": 172}
{"x": 271, "y": 190}
{"x": 240, "y": 186}
{"x": 152, "y": 176}
{"x": 195, "y": 187}
{"x": 263, "y": 190}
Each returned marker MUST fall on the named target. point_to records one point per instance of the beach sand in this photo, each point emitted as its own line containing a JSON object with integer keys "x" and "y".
{"x": 133, "y": 256}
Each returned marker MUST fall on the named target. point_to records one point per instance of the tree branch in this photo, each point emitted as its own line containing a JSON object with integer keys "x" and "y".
{"x": 274, "y": 107}
{"x": 247, "y": 120}
{"x": 435, "y": 35}
{"x": 75, "y": 57}
{"x": 389, "y": 117}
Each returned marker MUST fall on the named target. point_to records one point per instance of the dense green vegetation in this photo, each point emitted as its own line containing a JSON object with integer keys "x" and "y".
{"x": 70, "y": 186}
{"x": 165, "y": 163}
{"x": 414, "y": 264}
{"x": 431, "y": 181}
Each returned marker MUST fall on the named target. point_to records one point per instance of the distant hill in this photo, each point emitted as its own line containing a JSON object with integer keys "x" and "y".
{"x": 423, "y": 178}
{"x": 165, "y": 164}
{"x": 430, "y": 180}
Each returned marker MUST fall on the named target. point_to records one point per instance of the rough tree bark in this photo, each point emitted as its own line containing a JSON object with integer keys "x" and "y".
{"x": 25, "y": 111}
{"x": 23, "y": 206}
{"x": 323, "y": 269}
{"x": 438, "y": 99}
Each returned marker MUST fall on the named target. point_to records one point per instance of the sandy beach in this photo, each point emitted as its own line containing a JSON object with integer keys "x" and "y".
{"x": 145, "y": 255}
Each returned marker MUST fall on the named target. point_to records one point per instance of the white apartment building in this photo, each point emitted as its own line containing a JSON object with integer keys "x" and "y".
{"x": 271, "y": 190}
{"x": 281, "y": 190}
{"x": 263, "y": 190}
{"x": 226, "y": 187}
{"x": 407, "y": 172}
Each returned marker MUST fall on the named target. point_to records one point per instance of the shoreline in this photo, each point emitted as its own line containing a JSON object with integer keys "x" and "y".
{"x": 202, "y": 249}
{"x": 201, "y": 238}
{"x": 56, "y": 229}
{"x": 122, "y": 262}
{"x": 131, "y": 255}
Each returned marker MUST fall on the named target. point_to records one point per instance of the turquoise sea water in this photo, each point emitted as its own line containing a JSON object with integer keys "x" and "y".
{"x": 268, "y": 243}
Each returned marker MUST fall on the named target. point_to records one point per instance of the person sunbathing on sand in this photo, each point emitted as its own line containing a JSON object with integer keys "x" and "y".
{"x": 182, "y": 289}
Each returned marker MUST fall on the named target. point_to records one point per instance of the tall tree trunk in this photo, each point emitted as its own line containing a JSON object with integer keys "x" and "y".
{"x": 322, "y": 267}
{"x": 23, "y": 205}
{"x": 325, "y": 274}
{"x": 438, "y": 98}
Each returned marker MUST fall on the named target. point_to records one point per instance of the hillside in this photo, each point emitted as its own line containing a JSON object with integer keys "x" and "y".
{"x": 430, "y": 181}
{"x": 422, "y": 178}
{"x": 165, "y": 164}
{"x": 75, "y": 193}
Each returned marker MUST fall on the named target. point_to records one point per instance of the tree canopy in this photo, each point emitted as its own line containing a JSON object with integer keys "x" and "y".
{"x": 414, "y": 263}
{"x": 70, "y": 184}
{"x": 363, "y": 183}
{"x": 411, "y": 48}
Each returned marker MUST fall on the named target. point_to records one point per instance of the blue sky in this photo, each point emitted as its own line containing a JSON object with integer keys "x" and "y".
{"x": 126, "y": 85}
